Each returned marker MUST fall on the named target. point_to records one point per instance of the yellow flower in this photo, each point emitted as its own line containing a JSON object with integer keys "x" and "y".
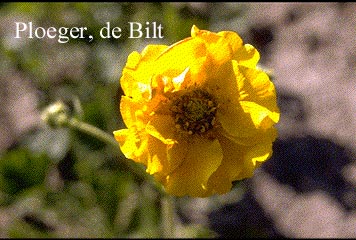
{"x": 199, "y": 113}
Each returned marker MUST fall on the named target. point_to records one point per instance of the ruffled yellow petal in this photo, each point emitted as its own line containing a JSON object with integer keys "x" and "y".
{"x": 188, "y": 53}
{"x": 203, "y": 157}
{"x": 157, "y": 162}
{"x": 255, "y": 86}
{"x": 258, "y": 136}
{"x": 163, "y": 84}
{"x": 255, "y": 108}
{"x": 239, "y": 162}
{"x": 221, "y": 82}
{"x": 176, "y": 153}
{"x": 133, "y": 144}
{"x": 247, "y": 56}
{"x": 259, "y": 153}
{"x": 261, "y": 116}
{"x": 231, "y": 166}
{"x": 163, "y": 128}
{"x": 194, "y": 31}
{"x": 234, "y": 40}
{"x": 235, "y": 121}
{"x": 221, "y": 46}
{"x": 136, "y": 76}
{"x": 199, "y": 114}
{"x": 132, "y": 112}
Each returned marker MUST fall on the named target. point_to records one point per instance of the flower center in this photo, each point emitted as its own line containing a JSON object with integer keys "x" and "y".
{"x": 194, "y": 112}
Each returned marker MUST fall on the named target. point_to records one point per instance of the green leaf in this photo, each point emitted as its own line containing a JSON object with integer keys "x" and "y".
{"x": 21, "y": 169}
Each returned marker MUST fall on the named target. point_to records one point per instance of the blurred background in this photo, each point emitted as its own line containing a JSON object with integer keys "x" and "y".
{"x": 63, "y": 183}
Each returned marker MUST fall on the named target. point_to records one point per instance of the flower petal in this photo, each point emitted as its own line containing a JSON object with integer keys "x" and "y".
{"x": 177, "y": 153}
{"x": 255, "y": 108}
{"x": 235, "y": 121}
{"x": 242, "y": 99}
{"x": 221, "y": 46}
{"x": 131, "y": 112}
{"x": 233, "y": 39}
{"x": 133, "y": 144}
{"x": 258, "y": 153}
{"x": 163, "y": 128}
{"x": 221, "y": 83}
{"x": 203, "y": 157}
{"x": 261, "y": 116}
{"x": 157, "y": 162}
{"x": 247, "y": 56}
{"x": 231, "y": 167}
{"x": 188, "y": 53}
{"x": 258, "y": 136}
{"x": 255, "y": 86}
{"x": 136, "y": 76}
{"x": 239, "y": 126}
{"x": 239, "y": 162}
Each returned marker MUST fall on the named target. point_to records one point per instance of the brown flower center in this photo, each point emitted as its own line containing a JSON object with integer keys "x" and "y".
{"x": 194, "y": 112}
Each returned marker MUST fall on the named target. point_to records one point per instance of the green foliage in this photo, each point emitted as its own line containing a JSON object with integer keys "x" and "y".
{"x": 20, "y": 169}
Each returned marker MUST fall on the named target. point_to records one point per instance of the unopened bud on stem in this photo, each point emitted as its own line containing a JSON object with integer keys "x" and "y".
{"x": 56, "y": 115}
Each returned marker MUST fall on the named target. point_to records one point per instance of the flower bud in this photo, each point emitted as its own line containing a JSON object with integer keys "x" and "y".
{"x": 56, "y": 115}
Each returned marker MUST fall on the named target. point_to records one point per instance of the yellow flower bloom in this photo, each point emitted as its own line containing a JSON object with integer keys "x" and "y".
{"x": 199, "y": 113}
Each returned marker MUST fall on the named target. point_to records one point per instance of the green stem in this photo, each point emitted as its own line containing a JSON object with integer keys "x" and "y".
{"x": 93, "y": 131}
{"x": 105, "y": 137}
{"x": 166, "y": 200}
{"x": 167, "y": 205}
{"x": 56, "y": 115}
